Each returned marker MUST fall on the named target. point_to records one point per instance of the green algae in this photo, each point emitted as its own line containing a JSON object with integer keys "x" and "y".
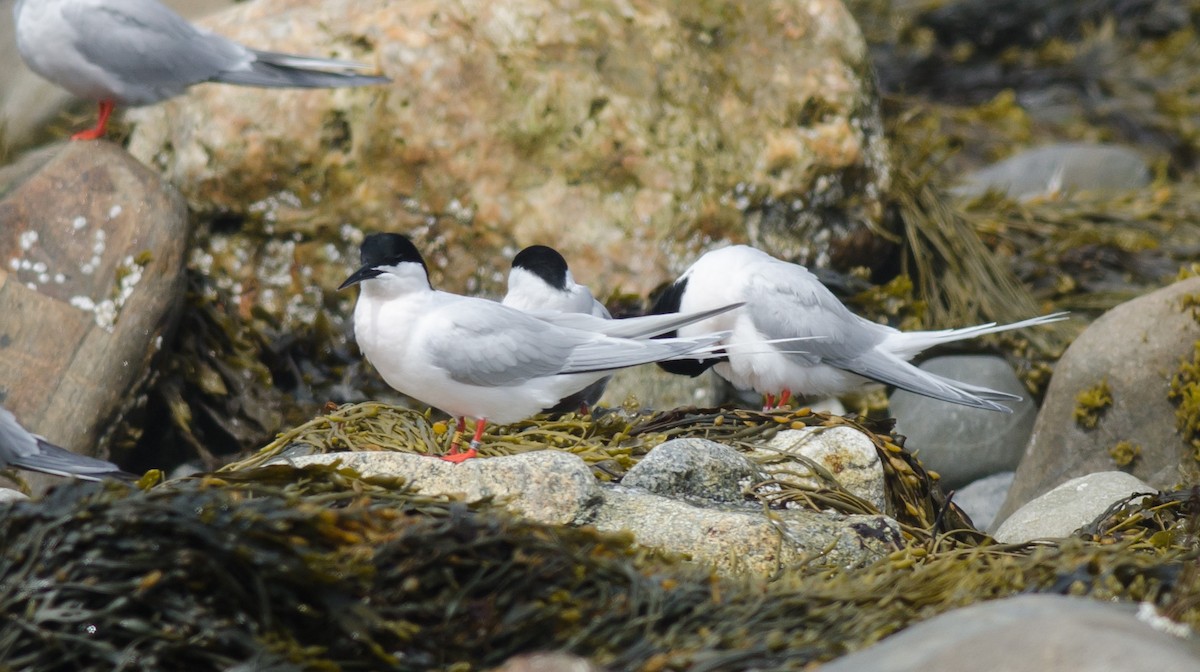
{"x": 1125, "y": 453}
{"x": 1090, "y": 404}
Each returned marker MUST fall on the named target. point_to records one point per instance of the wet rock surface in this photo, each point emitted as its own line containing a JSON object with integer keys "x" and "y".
{"x": 91, "y": 282}
{"x": 1069, "y": 506}
{"x": 1028, "y": 634}
{"x": 964, "y": 444}
{"x": 1135, "y": 351}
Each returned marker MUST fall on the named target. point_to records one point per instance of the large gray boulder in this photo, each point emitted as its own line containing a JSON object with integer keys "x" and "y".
{"x": 1135, "y": 349}
{"x": 1033, "y": 633}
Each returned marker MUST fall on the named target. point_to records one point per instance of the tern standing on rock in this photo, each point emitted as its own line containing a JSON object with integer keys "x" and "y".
{"x": 22, "y": 449}
{"x": 540, "y": 281}
{"x": 785, "y": 301}
{"x": 476, "y": 358}
{"x": 140, "y": 52}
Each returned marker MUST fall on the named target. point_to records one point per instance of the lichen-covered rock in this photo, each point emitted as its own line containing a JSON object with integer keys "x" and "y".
{"x": 1031, "y": 633}
{"x": 695, "y": 469}
{"x": 964, "y": 444}
{"x": 1109, "y": 404}
{"x": 740, "y": 541}
{"x": 1068, "y": 507}
{"x": 598, "y": 125}
{"x": 547, "y": 486}
{"x": 91, "y": 279}
{"x": 844, "y": 452}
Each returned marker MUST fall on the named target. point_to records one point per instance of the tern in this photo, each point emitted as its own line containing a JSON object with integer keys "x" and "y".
{"x": 843, "y": 351}
{"x": 471, "y": 357}
{"x": 541, "y": 282}
{"x": 140, "y": 52}
{"x": 25, "y": 450}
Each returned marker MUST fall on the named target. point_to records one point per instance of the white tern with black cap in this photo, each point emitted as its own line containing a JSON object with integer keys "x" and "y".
{"x": 841, "y": 352}
{"x": 472, "y": 357}
{"x": 541, "y": 282}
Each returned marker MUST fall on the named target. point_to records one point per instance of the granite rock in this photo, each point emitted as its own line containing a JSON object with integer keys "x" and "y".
{"x": 546, "y": 486}
{"x": 695, "y": 469}
{"x": 1135, "y": 350}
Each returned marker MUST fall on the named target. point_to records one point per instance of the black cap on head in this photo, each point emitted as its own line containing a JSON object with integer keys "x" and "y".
{"x": 384, "y": 249}
{"x": 544, "y": 262}
{"x": 388, "y": 249}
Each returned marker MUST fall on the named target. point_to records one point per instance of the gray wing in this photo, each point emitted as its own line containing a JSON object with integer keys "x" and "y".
{"x": 493, "y": 345}
{"x": 891, "y": 370}
{"x": 20, "y": 448}
{"x": 15, "y": 441}
{"x": 789, "y": 302}
{"x": 644, "y": 326}
{"x": 157, "y": 53}
{"x": 149, "y": 46}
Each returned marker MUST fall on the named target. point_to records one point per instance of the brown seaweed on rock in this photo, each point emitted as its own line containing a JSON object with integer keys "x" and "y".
{"x": 317, "y": 569}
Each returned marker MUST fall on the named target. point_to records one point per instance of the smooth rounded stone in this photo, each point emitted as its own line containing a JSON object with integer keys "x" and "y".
{"x": 737, "y": 541}
{"x": 91, "y": 281}
{"x": 1066, "y": 166}
{"x": 695, "y": 469}
{"x": 965, "y": 444}
{"x": 10, "y": 495}
{"x": 844, "y": 451}
{"x": 546, "y": 486}
{"x": 1068, "y": 507}
{"x": 982, "y": 499}
{"x": 1029, "y": 633}
{"x": 558, "y": 661}
{"x": 502, "y": 118}
{"x": 1136, "y": 348}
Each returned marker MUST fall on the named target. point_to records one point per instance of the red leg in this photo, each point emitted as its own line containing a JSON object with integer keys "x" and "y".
{"x": 584, "y": 410}
{"x": 785, "y": 397}
{"x": 457, "y": 457}
{"x": 768, "y": 401}
{"x": 97, "y": 131}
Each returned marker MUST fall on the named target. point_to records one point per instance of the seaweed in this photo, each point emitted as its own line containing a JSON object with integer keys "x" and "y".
{"x": 319, "y": 569}
{"x": 1090, "y": 404}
